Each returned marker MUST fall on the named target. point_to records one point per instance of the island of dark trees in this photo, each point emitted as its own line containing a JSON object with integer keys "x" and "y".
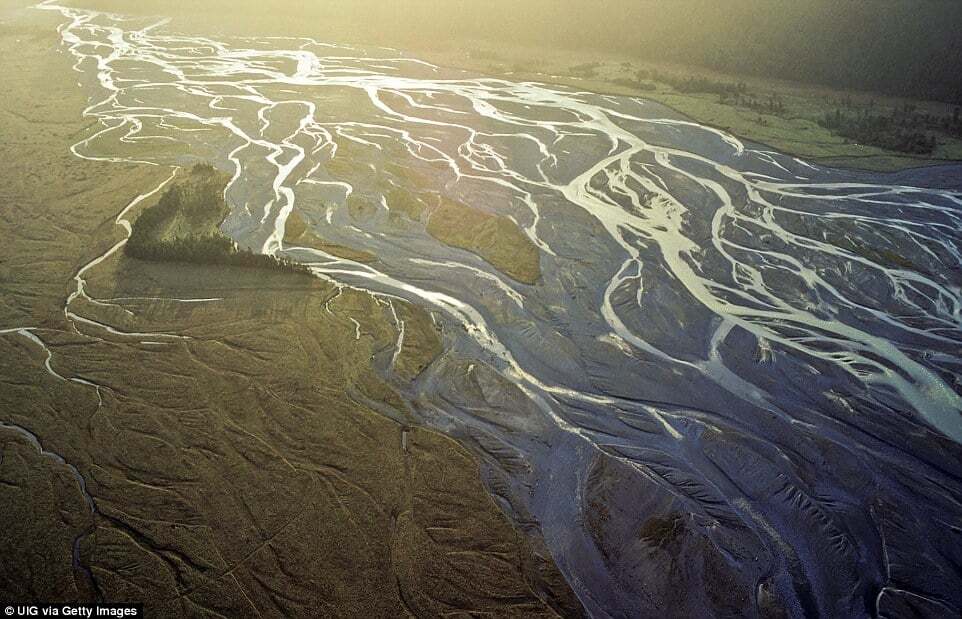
{"x": 184, "y": 226}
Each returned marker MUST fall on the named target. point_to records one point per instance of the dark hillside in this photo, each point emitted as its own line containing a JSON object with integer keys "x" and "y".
{"x": 909, "y": 48}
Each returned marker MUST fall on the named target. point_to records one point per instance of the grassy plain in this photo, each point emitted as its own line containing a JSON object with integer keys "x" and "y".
{"x": 297, "y": 233}
{"x": 230, "y": 468}
{"x": 495, "y": 238}
{"x": 795, "y": 129}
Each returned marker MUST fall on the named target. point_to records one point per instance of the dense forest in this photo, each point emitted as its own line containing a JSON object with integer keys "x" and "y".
{"x": 183, "y": 227}
{"x": 907, "y": 48}
{"x": 902, "y": 47}
{"x": 903, "y": 129}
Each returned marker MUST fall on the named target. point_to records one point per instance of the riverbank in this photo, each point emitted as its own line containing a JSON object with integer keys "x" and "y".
{"x": 787, "y": 116}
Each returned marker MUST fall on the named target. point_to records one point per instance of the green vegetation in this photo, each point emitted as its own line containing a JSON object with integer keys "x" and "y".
{"x": 408, "y": 195}
{"x": 735, "y": 94}
{"x": 903, "y": 129}
{"x": 697, "y": 83}
{"x": 184, "y": 227}
{"x": 402, "y": 201}
{"x": 296, "y": 232}
{"x": 900, "y": 129}
{"x": 638, "y": 83}
{"x": 788, "y": 117}
{"x": 803, "y": 123}
{"x": 495, "y": 238}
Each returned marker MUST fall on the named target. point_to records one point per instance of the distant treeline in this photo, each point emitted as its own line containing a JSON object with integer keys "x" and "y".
{"x": 902, "y": 129}
{"x": 879, "y": 130}
{"x": 183, "y": 227}
{"x": 732, "y": 93}
{"x": 910, "y": 48}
